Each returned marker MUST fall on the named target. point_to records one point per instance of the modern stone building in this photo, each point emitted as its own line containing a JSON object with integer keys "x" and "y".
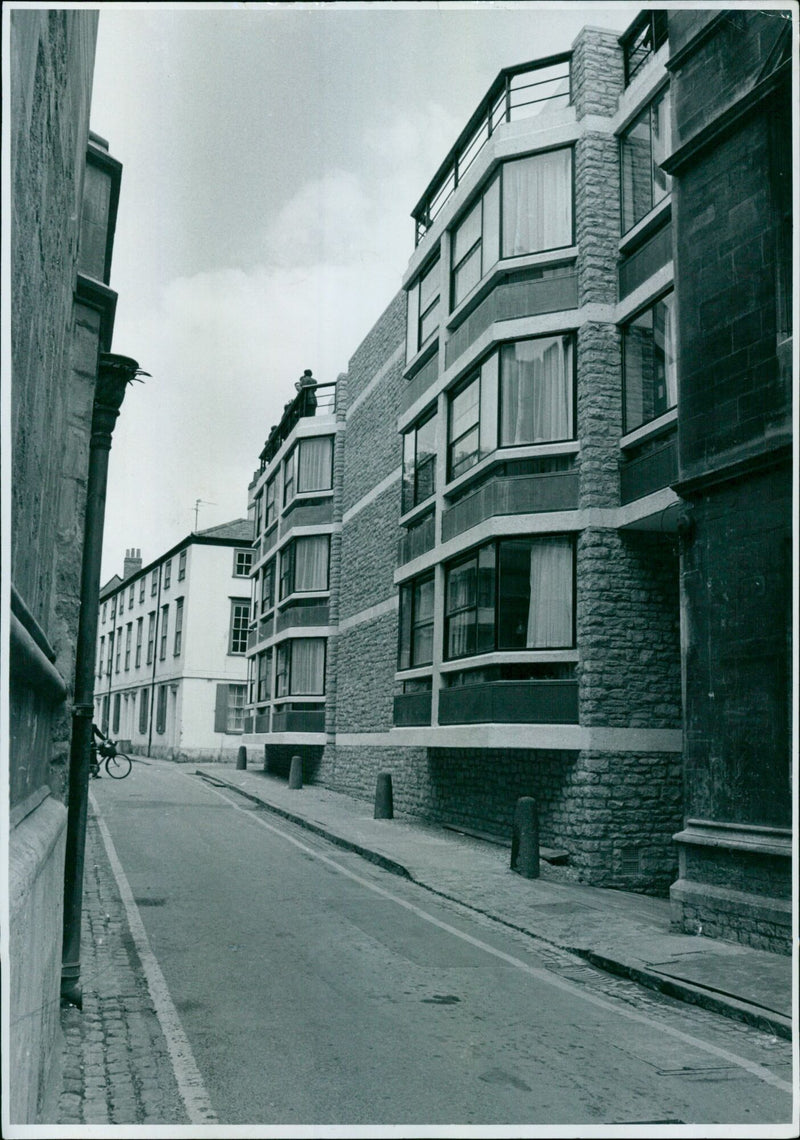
{"x": 297, "y": 514}
{"x": 503, "y": 606}
{"x": 731, "y": 166}
{"x": 171, "y": 637}
{"x": 508, "y": 618}
{"x": 64, "y": 189}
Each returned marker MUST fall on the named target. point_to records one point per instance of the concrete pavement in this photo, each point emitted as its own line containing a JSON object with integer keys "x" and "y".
{"x": 626, "y": 933}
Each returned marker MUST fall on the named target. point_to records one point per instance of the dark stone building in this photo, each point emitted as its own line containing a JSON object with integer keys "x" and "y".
{"x": 731, "y": 170}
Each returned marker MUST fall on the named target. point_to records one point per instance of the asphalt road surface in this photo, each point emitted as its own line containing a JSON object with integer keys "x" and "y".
{"x": 314, "y": 988}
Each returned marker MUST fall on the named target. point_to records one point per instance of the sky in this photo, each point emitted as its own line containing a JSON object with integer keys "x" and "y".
{"x": 271, "y": 156}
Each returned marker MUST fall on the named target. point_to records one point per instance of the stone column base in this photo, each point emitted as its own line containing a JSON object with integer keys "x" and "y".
{"x": 735, "y": 884}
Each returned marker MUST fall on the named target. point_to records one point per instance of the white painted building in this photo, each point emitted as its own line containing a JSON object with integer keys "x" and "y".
{"x": 171, "y": 670}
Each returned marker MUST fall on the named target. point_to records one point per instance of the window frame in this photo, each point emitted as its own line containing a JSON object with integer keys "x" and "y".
{"x": 416, "y": 315}
{"x": 270, "y": 503}
{"x": 647, "y": 110}
{"x": 144, "y": 709}
{"x": 181, "y": 565}
{"x": 163, "y": 633}
{"x": 408, "y": 623}
{"x": 288, "y": 568}
{"x": 154, "y": 583}
{"x": 178, "y": 637}
{"x": 128, "y": 642}
{"x": 239, "y": 552}
{"x": 236, "y": 688}
{"x": 161, "y": 710}
{"x": 410, "y": 483}
{"x": 625, "y": 334}
{"x": 151, "y": 637}
{"x": 118, "y": 649}
{"x": 488, "y": 261}
{"x": 286, "y": 648}
{"x": 139, "y": 638}
{"x": 167, "y": 573}
{"x": 568, "y": 338}
{"x": 142, "y": 587}
{"x": 473, "y": 554}
{"x": 472, "y": 377}
{"x": 238, "y": 626}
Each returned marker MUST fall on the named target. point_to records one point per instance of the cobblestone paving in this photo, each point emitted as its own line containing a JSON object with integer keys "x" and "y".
{"x": 116, "y": 1068}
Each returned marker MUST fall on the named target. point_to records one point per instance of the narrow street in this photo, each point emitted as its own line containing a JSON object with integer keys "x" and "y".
{"x": 315, "y": 988}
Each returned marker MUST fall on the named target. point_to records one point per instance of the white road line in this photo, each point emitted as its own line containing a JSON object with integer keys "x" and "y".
{"x": 187, "y": 1074}
{"x": 756, "y": 1070}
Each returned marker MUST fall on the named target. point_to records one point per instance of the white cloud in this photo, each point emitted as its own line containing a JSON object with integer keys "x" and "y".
{"x": 224, "y": 347}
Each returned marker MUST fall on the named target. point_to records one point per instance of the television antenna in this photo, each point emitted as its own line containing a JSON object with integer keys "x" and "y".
{"x": 197, "y": 504}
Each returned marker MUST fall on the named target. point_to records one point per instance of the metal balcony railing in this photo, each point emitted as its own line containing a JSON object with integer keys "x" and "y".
{"x": 311, "y": 400}
{"x": 510, "y": 702}
{"x": 518, "y": 92}
{"x": 412, "y": 709}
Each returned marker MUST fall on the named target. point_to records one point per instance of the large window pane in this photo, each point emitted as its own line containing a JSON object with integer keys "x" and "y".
{"x": 537, "y": 203}
{"x": 637, "y": 190}
{"x": 316, "y": 464}
{"x": 467, "y": 234}
{"x": 535, "y": 594}
{"x": 536, "y": 389}
{"x": 661, "y": 145}
{"x": 467, "y": 275}
{"x": 426, "y": 460}
{"x": 490, "y": 245}
{"x": 308, "y": 666}
{"x": 649, "y": 362}
{"x": 311, "y": 563}
{"x": 464, "y": 439}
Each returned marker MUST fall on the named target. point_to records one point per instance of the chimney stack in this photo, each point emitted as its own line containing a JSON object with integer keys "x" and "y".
{"x": 133, "y": 562}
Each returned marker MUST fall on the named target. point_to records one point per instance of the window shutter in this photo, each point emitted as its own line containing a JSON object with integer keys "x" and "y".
{"x": 221, "y": 709}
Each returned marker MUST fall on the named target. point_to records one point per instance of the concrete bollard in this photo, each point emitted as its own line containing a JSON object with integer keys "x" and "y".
{"x": 296, "y": 773}
{"x": 384, "y": 806}
{"x": 241, "y": 758}
{"x": 525, "y": 838}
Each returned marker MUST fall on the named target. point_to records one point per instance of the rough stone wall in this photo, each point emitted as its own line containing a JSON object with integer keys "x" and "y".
{"x": 597, "y": 219}
{"x": 369, "y": 554}
{"x": 597, "y": 72}
{"x": 367, "y": 656}
{"x": 599, "y": 414}
{"x": 52, "y": 60}
{"x": 628, "y": 623}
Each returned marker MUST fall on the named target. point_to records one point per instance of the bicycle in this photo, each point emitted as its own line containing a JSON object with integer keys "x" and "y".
{"x": 117, "y": 764}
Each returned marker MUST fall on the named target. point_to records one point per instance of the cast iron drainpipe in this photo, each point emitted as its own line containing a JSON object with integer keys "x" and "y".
{"x": 114, "y": 374}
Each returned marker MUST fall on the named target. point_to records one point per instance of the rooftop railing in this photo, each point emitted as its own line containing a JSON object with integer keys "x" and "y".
{"x": 518, "y": 93}
{"x": 311, "y": 400}
{"x": 642, "y": 40}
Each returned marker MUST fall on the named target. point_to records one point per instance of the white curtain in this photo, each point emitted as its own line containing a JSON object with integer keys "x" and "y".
{"x": 315, "y": 464}
{"x": 550, "y": 609}
{"x": 536, "y": 397}
{"x": 311, "y": 563}
{"x": 537, "y": 203}
{"x": 308, "y": 666}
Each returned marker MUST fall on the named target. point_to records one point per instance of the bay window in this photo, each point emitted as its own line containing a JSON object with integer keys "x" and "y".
{"x": 423, "y": 310}
{"x": 419, "y": 463}
{"x": 300, "y": 667}
{"x": 416, "y": 623}
{"x": 536, "y": 197}
{"x": 308, "y": 468}
{"x": 649, "y": 365}
{"x": 511, "y": 594}
{"x": 304, "y": 565}
{"x": 522, "y": 393}
{"x": 643, "y": 147}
